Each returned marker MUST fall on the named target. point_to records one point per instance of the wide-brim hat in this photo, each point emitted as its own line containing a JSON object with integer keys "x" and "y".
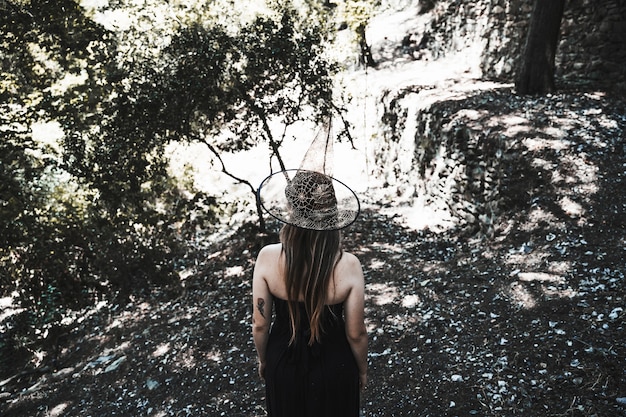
{"x": 309, "y": 200}
{"x": 310, "y": 197}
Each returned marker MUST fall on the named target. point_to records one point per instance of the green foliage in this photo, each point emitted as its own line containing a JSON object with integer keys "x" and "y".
{"x": 91, "y": 213}
{"x": 94, "y": 216}
{"x": 357, "y": 14}
{"x": 224, "y": 87}
{"x": 220, "y": 83}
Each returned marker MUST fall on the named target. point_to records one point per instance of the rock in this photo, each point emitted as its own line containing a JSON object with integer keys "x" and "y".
{"x": 116, "y": 364}
{"x": 151, "y": 384}
{"x": 615, "y": 313}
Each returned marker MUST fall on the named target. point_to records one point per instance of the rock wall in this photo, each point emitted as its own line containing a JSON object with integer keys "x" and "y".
{"x": 446, "y": 157}
{"x": 592, "y": 49}
{"x": 593, "y": 45}
{"x": 451, "y": 152}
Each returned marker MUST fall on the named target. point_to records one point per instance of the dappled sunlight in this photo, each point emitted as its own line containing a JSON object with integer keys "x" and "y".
{"x": 571, "y": 208}
{"x": 552, "y": 292}
{"x": 536, "y": 144}
{"x": 382, "y": 294}
{"x": 214, "y": 356}
{"x": 376, "y": 264}
{"x": 129, "y": 316}
{"x": 606, "y": 123}
{"x": 145, "y": 350}
{"x": 521, "y": 296}
{"x": 565, "y": 150}
{"x": 576, "y": 170}
{"x": 186, "y": 359}
{"x": 557, "y": 134}
{"x": 118, "y": 349}
{"x": 411, "y": 300}
{"x": 434, "y": 268}
{"x": 512, "y": 125}
{"x": 540, "y": 277}
{"x": 535, "y": 216}
{"x": 387, "y": 247}
{"x": 543, "y": 164}
{"x": 550, "y": 141}
{"x": 58, "y": 410}
{"x": 161, "y": 350}
{"x": 472, "y": 114}
{"x": 531, "y": 289}
{"x": 234, "y": 271}
{"x": 533, "y": 259}
{"x": 493, "y": 280}
{"x": 559, "y": 268}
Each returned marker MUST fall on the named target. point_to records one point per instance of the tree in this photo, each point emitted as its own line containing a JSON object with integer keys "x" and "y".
{"x": 96, "y": 212}
{"x": 357, "y": 15}
{"x": 536, "y": 71}
{"x": 225, "y": 89}
{"x": 93, "y": 214}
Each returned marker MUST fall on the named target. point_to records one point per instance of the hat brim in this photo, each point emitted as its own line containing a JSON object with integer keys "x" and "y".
{"x": 271, "y": 196}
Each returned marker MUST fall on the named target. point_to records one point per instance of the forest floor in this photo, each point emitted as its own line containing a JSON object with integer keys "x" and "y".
{"x": 527, "y": 321}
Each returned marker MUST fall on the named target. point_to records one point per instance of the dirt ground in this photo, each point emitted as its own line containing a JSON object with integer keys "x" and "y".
{"x": 528, "y": 321}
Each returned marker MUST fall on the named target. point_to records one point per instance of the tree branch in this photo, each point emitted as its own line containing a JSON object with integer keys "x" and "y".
{"x": 239, "y": 180}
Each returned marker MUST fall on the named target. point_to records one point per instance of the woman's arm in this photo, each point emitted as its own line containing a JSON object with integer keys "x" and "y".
{"x": 262, "y": 303}
{"x": 356, "y": 331}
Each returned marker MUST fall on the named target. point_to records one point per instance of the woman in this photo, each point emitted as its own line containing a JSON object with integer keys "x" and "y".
{"x": 314, "y": 358}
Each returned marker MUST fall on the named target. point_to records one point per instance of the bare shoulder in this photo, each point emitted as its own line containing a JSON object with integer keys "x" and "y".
{"x": 350, "y": 261}
{"x": 350, "y": 282}
{"x": 269, "y": 251}
{"x": 267, "y": 261}
{"x": 349, "y": 269}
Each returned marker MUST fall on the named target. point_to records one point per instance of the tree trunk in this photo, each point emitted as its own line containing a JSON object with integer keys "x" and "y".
{"x": 365, "y": 58}
{"x": 536, "y": 71}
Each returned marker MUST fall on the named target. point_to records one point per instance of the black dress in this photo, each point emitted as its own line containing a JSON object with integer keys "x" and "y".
{"x": 321, "y": 380}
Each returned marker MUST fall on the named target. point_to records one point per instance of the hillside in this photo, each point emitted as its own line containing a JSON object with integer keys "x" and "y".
{"x": 526, "y": 321}
{"x": 489, "y": 295}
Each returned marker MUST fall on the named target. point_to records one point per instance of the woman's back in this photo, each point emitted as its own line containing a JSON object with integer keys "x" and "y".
{"x": 345, "y": 275}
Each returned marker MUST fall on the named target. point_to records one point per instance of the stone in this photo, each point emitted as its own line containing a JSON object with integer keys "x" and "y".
{"x": 116, "y": 364}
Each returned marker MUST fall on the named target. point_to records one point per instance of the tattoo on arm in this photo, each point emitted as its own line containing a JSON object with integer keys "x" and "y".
{"x": 260, "y": 304}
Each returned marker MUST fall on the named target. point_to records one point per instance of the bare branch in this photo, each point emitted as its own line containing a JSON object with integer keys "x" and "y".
{"x": 345, "y": 130}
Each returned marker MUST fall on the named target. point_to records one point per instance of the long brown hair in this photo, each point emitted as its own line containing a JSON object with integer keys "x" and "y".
{"x": 310, "y": 258}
